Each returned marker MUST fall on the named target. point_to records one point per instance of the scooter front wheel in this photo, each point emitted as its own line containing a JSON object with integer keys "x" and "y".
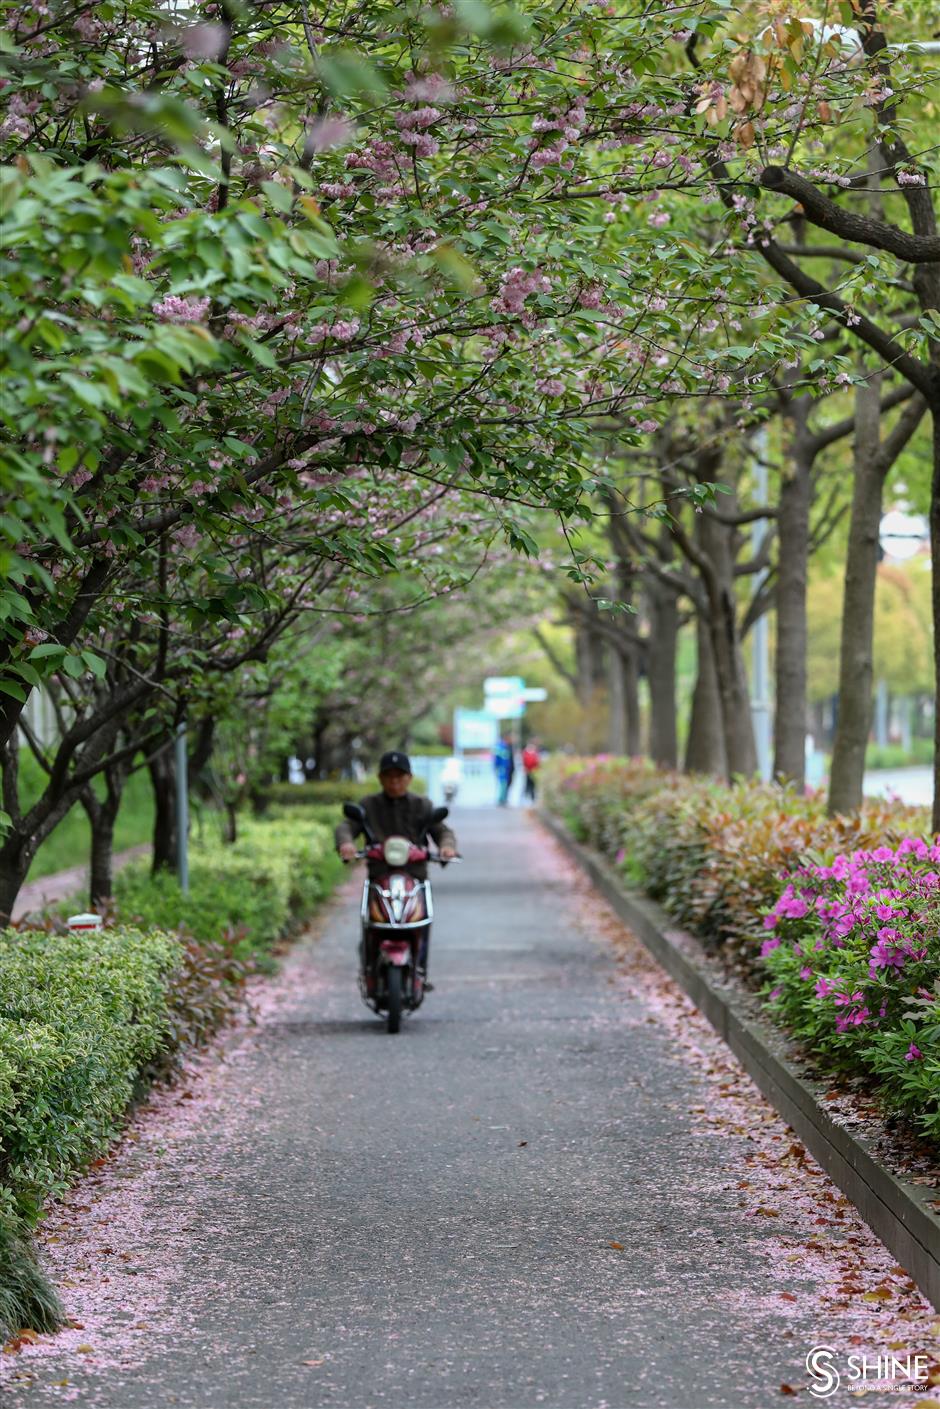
{"x": 394, "y": 998}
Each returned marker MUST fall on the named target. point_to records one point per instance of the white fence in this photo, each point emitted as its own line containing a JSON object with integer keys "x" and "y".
{"x": 477, "y": 787}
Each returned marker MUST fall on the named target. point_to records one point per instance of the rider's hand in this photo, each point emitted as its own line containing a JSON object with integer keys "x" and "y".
{"x": 347, "y": 850}
{"x": 447, "y": 853}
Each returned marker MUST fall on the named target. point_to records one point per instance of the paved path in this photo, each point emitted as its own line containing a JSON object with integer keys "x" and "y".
{"x": 553, "y": 1188}
{"x": 35, "y": 895}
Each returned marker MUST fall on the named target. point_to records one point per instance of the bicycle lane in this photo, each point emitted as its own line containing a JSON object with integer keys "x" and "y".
{"x": 555, "y": 1187}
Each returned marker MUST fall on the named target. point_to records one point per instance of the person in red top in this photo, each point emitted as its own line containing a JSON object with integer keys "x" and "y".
{"x": 531, "y": 758}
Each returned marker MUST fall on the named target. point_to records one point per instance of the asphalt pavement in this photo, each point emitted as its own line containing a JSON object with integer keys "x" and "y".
{"x": 513, "y": 1203}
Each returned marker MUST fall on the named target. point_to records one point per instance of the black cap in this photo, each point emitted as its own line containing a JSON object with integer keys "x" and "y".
{"x": 395, "y": 759}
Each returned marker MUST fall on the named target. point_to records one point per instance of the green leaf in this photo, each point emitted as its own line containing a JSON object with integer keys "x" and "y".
{"x": 279, "y": 195}
{"x": 348, "y": 74}
{"x": 259, "y": 351}
{"x": 95, "y": 664}
{"x": 74, "y": 667}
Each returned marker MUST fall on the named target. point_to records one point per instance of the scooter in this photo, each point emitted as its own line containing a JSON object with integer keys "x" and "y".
{"x": 395, "y": 918}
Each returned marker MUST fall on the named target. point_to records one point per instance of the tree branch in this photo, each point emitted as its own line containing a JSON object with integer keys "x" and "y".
{"x": 828, "y": 435}
{"x": 900, "y": 434}
{"x": 554, "y": 658}
{"x": 916, "y": 372}
{"x": 862, "y": 229}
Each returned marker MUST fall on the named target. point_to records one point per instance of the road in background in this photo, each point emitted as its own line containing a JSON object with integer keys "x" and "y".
{"x": 911, "y": 785}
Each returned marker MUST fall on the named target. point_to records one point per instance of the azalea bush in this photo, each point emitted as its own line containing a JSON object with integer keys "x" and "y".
{"x": 854, "y": 957}
{"x": 843, "y": 912}
{"x": 711, "y": 853}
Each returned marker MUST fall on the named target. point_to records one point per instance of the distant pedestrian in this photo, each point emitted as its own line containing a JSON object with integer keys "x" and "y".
{"x": 531, "y": 758}
{"x": 504, "y": 763}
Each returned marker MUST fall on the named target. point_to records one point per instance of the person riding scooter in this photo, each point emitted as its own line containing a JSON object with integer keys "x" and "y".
{"x": 395, "y": 812}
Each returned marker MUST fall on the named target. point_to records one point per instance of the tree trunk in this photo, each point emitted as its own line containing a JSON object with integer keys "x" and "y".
{"x": 26, "y": 832}
{"x": 935, "y": 553}
{"x": 661, "y": 671}
{"x": 856, "y": 652}
{"x": 624, "y": 696}
{"x": 590, "y": 659}
{"x": 632, "y": 704}
{"x": 705, "y": 747}
{"x": 101, "y": 875}
{"x": 10, "y": 883}
{"x": 22, "y": 841}
{"x": 163, "y": 781}
{"x": 617, "y": 706}
{"x": 792, "y": 571}
{"x": 102, "y": 815}
{"x": 737, "y": 726}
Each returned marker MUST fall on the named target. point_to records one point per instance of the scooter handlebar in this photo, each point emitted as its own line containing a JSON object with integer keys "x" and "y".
{"x": 363, "y": 853}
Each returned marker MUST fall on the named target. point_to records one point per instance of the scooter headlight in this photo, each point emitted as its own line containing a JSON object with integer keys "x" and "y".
{"x": 396, "y": 851}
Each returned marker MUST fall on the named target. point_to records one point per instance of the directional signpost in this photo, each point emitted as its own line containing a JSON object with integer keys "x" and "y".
{"x": 506, "y": 696}
{"x": 502, "y": 696}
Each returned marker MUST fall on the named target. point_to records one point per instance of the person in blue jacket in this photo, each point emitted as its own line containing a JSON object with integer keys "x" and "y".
{"x": 504, "y": 764}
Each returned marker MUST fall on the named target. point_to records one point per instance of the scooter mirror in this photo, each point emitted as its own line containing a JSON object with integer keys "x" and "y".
{"x": 353, "y": 811}
{"x": 439, "y": 814}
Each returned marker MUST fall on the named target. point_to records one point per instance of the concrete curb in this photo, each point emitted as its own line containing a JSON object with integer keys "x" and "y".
{"x": 897, "y": 1212}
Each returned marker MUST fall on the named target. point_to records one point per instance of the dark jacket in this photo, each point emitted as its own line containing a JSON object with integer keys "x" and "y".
{"x": 398, "y": 817}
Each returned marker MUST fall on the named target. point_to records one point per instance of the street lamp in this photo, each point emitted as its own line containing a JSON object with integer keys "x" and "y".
{"x": 902, "y": 536}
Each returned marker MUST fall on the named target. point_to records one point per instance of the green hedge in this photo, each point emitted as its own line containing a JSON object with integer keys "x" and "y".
{"x": 719, "y": 859}
{"x": 80, "y": 1019}
{"x": 919, "y": 755}
{"x": 249, "y": 895}
{"x": 87, "y": 1022}
{"x": 325, "y": 793}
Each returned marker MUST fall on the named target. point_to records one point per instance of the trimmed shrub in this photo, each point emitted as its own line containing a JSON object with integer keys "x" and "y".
{"x": 81, "y": 1017}
{"x": 247, "y": 895}
{"x": 729, "y": 862}
{"x": 710, "y": 853}
{"x": 918, "y": 755}
{"x": 88, "y": 1021}
{"x": 325, "y": 792}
